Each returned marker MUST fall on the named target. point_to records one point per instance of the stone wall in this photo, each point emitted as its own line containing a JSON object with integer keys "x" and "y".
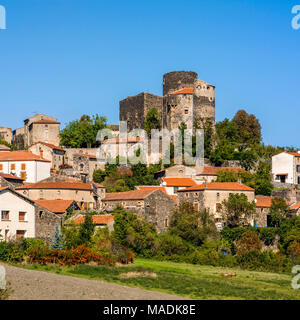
{"x": 290, "y": 195}
{"x": 6, "y": 134}
{"x": 45, "y": 222}
{"x": 177, "y": 80}
{"x": 134, "y": 109}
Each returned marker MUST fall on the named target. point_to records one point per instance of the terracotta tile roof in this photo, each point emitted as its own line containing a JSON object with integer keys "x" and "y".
{"x": 153, "y": 188}
{"x": 98, "y": 185}
{"x": 51, "y": 146}
{"x": 293, "y": 153}
{"x": 10, "y": 176}
{"x": 57, "y": 185}
{"x": 56, "y": 206}
{"x": 20, "y": 156}
{"x": 184, "y": 90}
{"x": 128, "y": 172}
{"x": 234, "y": 186}
{"x": 90, "y": 156}
{"x": 295, "y": 205}
{"x": 118, "y": 141}
{"x": 99, "y": 219}
{"x": 3, "y": 188}
{"x": 282, "y": 174}
{"x": 128, "y": 195}
{"x": 179, "y": 182}
{"x": 213, "y": 171}
{"x": 263, "y": 202}
{"x": 3, "y": 147}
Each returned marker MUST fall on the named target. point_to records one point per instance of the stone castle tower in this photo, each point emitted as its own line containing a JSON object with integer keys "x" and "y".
{"x": 185, "y": 98}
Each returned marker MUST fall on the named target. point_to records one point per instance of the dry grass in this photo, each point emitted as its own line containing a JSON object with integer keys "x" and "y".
{"x": 131, "y": 275}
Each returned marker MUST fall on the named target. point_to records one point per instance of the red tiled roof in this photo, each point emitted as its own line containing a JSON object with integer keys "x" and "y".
{"x": 179, "y": 182}
{"x": 10, "y": 176}
{"x": 98, "y": 185}
{"x": 295, "y": 206}
{"x": 3, "y": 147}
{"x": 234, "y": 186}
{"x": 293, "y": 153}
{"x": 263, "y": 202}
{"x": 153, "y": 188}
{"x": 56, "y": 206}
{"x": 3, "y": 188}
{"x": 184, "y": 90}
{"x": 128, "y": 172}
{"x": 99, "y": 219}
{"x": 128, "y": 195}
{"x": 20, "y": 156}
{"x": 57, "y": 185}
{"x": 213, "y": 171}
{"x": 51, "y": 146}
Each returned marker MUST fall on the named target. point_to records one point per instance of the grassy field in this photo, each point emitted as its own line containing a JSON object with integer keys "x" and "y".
{"x": 194, "y": 281}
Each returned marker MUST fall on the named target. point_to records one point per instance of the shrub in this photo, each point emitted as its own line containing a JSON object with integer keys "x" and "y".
{"x": 264, "y": 261}
{"x": 4, "y": 251}
{"x": 249, "y": 242}
{"x": 168, "y": 244}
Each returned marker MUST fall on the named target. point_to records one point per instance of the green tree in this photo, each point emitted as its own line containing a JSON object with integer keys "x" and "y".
{"x": 262, "y": 179}
{"x": 191, "y": 225}
{"x": 249, "y": 128}
{"x": 86, "y": 230}
{"x": 82, "y": 133}
{"x": 133, "y": 232}
{"x": 57, "y": 241}
{"x": 99, "y": 176}
{"x": 279, "y": 211}
{"x": 237, "y": 209}
{"x": 152, "y": 121}
{"x": 249, "y": 242}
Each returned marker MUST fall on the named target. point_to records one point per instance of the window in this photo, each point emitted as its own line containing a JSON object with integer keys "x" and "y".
{"x": 186, "y": 111}
{"x": 20, "y": 234}
{"x": 4, "y": 215}
{"x": 22, "y": 216}
{"x": 12, "y": 166}
{"x": 1, "y": 167}
{"x": 23, "y": 175}
{"x": 175, "y": 189}
{"x": 298, "y": 168}
{"x": 167, "y": 222}
{"x": 139, "y": 204}
{"x": 41, "y": 214}
{"x": 23, "y": 166}
{"x": 299, "y": 180}
{"x": 58, "y": 192}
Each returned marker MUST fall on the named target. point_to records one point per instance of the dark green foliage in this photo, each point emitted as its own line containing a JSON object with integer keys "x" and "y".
{"x": 82, "y": 133}
{"x": 152, "y": 121}
{"x": 133, "y": 232}
{"x": 191, "y": 225}
{"x": 86, "y": 230}
{"x": 236, "y": 209}
{"x": 279, "y": 211}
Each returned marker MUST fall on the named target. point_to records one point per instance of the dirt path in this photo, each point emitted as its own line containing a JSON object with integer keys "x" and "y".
{"x": 38, "y": 285}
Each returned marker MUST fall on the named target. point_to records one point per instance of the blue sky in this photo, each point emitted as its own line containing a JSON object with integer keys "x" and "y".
{"x": 67, "y": 57}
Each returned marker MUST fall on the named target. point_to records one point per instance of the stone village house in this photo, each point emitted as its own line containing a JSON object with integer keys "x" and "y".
{"x": 211, "y": 195}
{"x": 22, "y": 217}
{"x": 153, "y": 205}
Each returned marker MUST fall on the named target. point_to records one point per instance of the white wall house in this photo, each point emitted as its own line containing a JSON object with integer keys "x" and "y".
{"x": 286, "y": 167}
{"x": 17, "y": 216}
{"x": 25, "y": 165}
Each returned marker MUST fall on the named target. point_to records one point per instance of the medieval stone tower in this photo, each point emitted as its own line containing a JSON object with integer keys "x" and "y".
{"x": 185, "y": 98}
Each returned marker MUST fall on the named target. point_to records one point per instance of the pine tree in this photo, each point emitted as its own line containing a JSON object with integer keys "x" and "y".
{"x": 57, "y": 241}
